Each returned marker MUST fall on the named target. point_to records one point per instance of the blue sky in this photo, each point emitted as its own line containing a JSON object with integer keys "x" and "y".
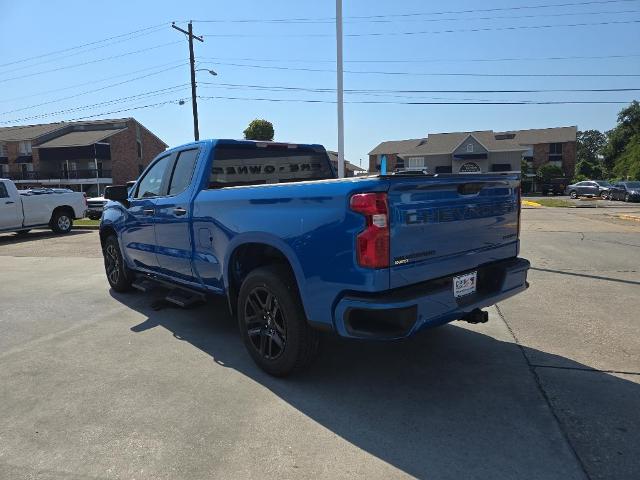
{"x": 241, "y": 51}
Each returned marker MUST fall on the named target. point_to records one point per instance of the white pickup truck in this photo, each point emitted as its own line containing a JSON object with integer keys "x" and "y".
{"x": 22, "y": 211}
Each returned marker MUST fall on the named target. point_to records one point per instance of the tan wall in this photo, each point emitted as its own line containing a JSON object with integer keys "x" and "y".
{"x": 512, "y": 158}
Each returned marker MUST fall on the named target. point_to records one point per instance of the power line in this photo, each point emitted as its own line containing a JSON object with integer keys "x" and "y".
{"x": 179, "y": 101}
{"x": 134, "y": 52}
{"x": 436, "y": 74}
{"x": 382, "y": 102}
{"x": 330, "y": 90}
{"x": 151, "y": 93}
{"x": 413, "y": 14}
{"x": 466, "y": 19}
{"x": 81, "y": 52}
{"x": 91, "y": 82}
{"x": 91, "y": 91}
{"x": 430, "y": 32}
{"x": 80, "y": 46}
{"x": 428, "y": 60}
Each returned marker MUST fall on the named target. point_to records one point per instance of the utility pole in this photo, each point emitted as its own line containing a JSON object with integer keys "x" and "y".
{"x": 340, "y": 89}
{"x": 192, "y": 65}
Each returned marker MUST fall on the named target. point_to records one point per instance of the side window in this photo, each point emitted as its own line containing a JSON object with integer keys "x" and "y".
{"x": 151, "y": 183}
{"x": 3, "y": 191}
{"x": 183, "y": 171}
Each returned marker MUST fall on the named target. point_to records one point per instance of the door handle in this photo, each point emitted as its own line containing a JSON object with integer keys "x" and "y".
{"x": 179, "y": 211}
{"x": 9, "y": 202}
{"x": 148, "y": 211}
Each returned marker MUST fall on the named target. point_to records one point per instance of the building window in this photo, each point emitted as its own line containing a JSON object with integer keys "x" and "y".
{"x": 416, "y": 162}
{"x": 3, "y": 150}
{"x": 500, "y": 167}
{"x": 443, "y": 169}
{"x": 139, "y": 146}
{"x": 4, "y": 171}
{"x": 469, "y": 147}
{"x": 399, "y": 163}
{"x": 505, "y": 136}
{"x": 24, "y": 148}
{"x": 555, "y": 153}
{"x": 470, "y": 167}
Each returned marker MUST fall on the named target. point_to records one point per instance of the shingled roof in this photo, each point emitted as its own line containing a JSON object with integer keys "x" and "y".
{"x": 396, "y": 146}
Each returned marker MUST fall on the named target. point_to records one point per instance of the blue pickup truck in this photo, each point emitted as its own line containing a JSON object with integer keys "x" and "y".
{"x": 297, "y": 251}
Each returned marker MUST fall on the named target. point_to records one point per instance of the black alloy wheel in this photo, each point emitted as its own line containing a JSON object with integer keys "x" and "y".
{"x": 265, "y": 323}
{"x": 272, "y": 321}
{"x": 119, "y": 276}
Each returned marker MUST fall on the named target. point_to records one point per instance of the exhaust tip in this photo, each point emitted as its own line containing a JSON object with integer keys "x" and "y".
{"x": 476, "y": 316}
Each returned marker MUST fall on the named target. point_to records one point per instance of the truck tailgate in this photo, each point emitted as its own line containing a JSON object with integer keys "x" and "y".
{"x": 442, "y": 225}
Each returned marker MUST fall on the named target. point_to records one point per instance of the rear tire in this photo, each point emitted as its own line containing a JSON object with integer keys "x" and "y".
{"x": 272, "y": 322}
{"x": 627, "y": 197}
{"x": 118, "y": 275}
{"x": 61, "y": 221}
{"x": 573, "y": 194}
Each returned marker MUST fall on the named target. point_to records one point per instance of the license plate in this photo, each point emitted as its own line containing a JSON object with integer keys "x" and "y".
{"x": 465, "y": 284}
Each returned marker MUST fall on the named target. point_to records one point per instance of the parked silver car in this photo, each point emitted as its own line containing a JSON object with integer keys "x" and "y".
{"x": 591, "y": 188}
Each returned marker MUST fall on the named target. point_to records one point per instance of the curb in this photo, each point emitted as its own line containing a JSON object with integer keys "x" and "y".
{"x": 633, "y": 218}
{"x": 86, "y": 227}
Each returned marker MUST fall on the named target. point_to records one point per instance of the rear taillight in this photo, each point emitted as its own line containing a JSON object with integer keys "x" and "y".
{"x": 372, "y": 244}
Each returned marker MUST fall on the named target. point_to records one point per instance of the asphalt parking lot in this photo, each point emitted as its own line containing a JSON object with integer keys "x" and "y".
{"x": 95, "y": 384}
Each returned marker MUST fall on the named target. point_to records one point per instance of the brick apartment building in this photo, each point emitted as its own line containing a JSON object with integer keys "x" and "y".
{"x": 83, "y": 156}
{"x": 481, "y": 151}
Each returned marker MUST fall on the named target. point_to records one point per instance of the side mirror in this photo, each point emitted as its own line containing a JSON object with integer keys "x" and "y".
{"x": 119, "y": 193}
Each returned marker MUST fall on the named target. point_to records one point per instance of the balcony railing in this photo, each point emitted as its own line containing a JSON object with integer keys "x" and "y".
{"x": 63, "y": 175}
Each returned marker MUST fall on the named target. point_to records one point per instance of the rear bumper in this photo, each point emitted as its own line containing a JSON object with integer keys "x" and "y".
{"x": 402, "y": 312}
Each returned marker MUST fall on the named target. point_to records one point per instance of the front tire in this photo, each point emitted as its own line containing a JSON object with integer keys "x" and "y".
{"x": 627, "y": 198}
{"x": 119, "y": 276}
{"x": 272, "y": 322}
{"x": 61, "y": 222}
{"x": 604, "y": 195}
{"x": 573, "y": 194}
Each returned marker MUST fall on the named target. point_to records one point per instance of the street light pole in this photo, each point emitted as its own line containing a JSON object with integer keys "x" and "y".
{"x": 340, "y": 88}
{"x": 192, "y": 66}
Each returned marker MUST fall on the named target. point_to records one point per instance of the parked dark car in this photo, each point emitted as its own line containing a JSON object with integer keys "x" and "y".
{"x": 554, "y": 186}
{"x": 592, "y": 188}
{"x": 627, "y": 191}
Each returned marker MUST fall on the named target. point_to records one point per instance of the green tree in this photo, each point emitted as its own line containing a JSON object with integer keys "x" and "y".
{"x": 548, "y": 171}
{"x": 622, "y": 153}
{"x": 628, "y": 164}
{"x": 524, "y": 167}
{"x": 259, "y": 129}
{"x": 589, "y": 170}
{"x": 590, "y": 145}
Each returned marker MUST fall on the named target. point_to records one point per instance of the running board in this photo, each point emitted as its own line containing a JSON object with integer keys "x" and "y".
{"x": 143, "y": 284}
{"x": 184, "y": 298}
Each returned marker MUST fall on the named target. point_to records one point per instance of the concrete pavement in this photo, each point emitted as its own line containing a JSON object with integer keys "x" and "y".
{"x": 95, "y": 384}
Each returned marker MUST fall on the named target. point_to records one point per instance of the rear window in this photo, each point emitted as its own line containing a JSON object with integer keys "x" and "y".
{"x": 248, "y": 164}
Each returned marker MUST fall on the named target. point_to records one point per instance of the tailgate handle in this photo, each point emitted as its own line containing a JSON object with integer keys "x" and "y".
{"x": 469, "y": 188}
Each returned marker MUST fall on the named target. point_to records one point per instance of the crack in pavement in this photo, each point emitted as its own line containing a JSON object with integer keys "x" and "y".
{"x": 543, "y": 392}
